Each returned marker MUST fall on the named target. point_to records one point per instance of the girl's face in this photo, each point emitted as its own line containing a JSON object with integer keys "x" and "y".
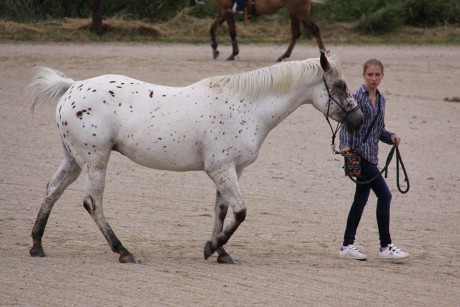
{"x": 372, "y": 76}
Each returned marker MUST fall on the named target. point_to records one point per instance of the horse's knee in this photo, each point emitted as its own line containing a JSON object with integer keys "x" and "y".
{"x": 51, "y": 192}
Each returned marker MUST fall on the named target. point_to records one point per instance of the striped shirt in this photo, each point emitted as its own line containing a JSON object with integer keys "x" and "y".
{"x": 370, "y": 148}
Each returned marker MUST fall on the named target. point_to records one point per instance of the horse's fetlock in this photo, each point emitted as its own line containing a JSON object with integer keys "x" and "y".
{"x": 221, "y": 240}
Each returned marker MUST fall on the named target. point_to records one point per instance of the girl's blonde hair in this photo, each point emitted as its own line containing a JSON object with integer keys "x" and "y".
{"x": 370, "y": 63}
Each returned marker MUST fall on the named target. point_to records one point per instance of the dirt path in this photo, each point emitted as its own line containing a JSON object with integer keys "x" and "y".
{"x": 297, "y": 197}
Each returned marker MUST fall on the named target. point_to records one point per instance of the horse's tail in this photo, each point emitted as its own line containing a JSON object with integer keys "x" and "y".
{"x": 48, "y": 85}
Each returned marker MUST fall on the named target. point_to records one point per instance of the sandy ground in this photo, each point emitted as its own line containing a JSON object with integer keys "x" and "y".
{"x": 286, "y": 251}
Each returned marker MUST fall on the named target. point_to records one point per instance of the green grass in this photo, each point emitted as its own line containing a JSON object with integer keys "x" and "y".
{"x": 270, "y": 29}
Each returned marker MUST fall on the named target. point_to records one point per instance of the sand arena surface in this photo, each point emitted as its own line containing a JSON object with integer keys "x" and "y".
{"x": 286, "y": 251}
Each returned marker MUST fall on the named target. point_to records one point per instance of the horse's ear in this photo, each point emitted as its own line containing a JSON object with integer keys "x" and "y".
{"x": 324, "y": 61}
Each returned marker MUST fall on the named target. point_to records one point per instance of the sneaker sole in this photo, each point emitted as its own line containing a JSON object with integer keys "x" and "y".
{"x": 353, "y": 258}
{"x": 392, "y": 259}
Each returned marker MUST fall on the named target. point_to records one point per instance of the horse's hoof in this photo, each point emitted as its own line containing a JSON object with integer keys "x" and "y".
{"x": 215, "y": 54}
{"x": 37, "y": 252}
{"x": 226, "y": 259}
{"x": 231, "y": 58}
{"x": 128, "y": 258}
{"x": 208, "y": 250}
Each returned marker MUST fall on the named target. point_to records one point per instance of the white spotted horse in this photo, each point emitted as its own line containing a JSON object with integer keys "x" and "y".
{"x": 216, "y": 125}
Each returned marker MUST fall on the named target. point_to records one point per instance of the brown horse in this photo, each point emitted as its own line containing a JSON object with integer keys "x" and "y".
{"x": 299, "y": 12}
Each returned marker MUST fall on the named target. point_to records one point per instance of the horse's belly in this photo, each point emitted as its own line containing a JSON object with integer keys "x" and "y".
{"x": 158, "y": 154}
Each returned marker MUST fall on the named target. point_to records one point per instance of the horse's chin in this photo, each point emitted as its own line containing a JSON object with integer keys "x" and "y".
{"x": 354, "y": 121}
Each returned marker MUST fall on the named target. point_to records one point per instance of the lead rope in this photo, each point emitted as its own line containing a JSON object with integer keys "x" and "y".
{"x": 399, "y": 162}
{"x": 406, "y": 178}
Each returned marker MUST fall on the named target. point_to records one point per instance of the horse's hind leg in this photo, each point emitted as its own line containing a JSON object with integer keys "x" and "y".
{"x": 295, "y": 34}
{"x": 92, "y": 201}
{"x": 220, "y": 210}
{"x": 67, "y": 173}
{"x": 232, "y": 33}
{"x": 212, "y": 31}
{"x": 314, "y": 29}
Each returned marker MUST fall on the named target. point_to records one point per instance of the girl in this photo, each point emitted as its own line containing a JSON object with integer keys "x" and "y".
{"x": 372, "y": 104}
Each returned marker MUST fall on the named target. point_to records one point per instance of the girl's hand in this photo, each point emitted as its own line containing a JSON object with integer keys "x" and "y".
{"x": 345, "y": 150}
{"x": 395, "y": 139}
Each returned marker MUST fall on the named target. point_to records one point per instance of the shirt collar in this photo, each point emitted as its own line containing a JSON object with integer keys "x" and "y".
{"x": 364, "y": 90}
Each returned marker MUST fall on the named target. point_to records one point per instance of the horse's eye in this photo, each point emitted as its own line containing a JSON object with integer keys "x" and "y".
{"x": 341, "y": 86}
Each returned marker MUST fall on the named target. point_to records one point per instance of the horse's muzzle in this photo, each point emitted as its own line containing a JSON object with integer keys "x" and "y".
{"x": 354, "y": 120}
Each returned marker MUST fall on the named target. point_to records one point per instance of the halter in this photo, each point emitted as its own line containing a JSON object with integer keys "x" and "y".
{"x": 339, "y": 125}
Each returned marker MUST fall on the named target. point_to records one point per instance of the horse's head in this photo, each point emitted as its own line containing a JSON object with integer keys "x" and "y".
{"x": 335, "y": 100}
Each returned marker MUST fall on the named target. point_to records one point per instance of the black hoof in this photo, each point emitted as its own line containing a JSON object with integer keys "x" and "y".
{"x": 128, "y": 258}
{"x": 208, "y": 250}
{"x": 215, "y": 54}
{"x": 37, "y": 252}
{"x": 226, "y": 259}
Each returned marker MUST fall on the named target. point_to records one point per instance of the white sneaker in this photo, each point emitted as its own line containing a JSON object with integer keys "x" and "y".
{"x": 391, "y": 252}
{"x": 351, "y": 252}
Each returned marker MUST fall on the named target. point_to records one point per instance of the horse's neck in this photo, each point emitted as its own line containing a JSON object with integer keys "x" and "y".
{"x": 274, "y": 109}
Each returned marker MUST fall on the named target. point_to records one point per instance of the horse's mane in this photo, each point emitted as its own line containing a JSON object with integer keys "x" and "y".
{"x": 278, "y": 78}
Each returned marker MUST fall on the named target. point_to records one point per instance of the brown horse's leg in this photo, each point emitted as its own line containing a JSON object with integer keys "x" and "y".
{"x": 310, "y": 24}
{"x": 68, "y": 172}
{"x": 295, "y": 34}
{"x": 232, "y": 32}
{"x": 212, "y": 31}
{"x": 220, "y": 211}
{"x": 92, "y": 201}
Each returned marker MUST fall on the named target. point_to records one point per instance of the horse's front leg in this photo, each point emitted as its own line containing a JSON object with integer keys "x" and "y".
{"x": 220, "y": 212}
{"x": 226, "y": 179}
{"x": 67, "y": 173}
{"x": 212, "y": 31}
{"x": 295, "y": 34}
{"x": 232, "y": 31}
{"x": 92, "y": 201}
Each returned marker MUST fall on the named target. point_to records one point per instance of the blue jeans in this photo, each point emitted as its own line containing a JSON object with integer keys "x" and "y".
{"x": 380, "y": 188}
{"x": 239, "y": 5}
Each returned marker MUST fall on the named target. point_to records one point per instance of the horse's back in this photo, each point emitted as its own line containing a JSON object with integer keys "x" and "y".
{"x": 153, "y": 125}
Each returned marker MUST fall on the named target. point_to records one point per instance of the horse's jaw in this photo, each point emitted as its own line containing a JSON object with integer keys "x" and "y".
{"x": 354, "y": 121}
